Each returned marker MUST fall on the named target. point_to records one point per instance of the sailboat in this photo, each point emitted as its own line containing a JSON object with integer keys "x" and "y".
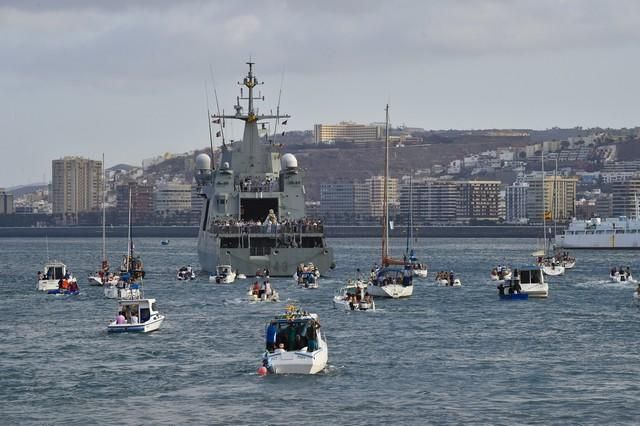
{"x": 102, "y": 277}
{"x": 549, "y": 264}
{"x": 389, "y": 281}
{"x": 128, "y": 285}
{"x": 567, "y": 261}
{"x": 419, "y": 269}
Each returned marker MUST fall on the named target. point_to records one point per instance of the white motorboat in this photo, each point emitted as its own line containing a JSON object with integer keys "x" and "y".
{"x": 122, "y": 290}
{"x": 99, "y": 278}
{"x": 186, "y": 273}
{"x": 136, "y": 316}
{"x": 225, "y": 274}
{"x": 530, "y": 280}
{"x": 294, "y": 344}
{"x": 551, "y": 266}
{"x": 500, "y": 273}
{"x": 53, "y": 272}
{"x": 354, "y": 297}
{"x": 448, "y": 279}
{"x": 241, "y": 277}
{"x": 307, "y": 279}
{"x": 420, "y": 270}
{"x": 393, "y": 282}
{"x": 262, "y": 293}
{"x": 621, "y": 276}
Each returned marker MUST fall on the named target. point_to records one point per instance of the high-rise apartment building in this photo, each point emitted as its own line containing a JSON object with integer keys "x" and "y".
{"x": 171, "y": 198}
{"x": 141, "y": 202}
{"x": 6, "y": 202}
{"x": 558, "y": 198}
{"x": 624, "y": 197}
{"x": 76, "y": 185}
{"x": 431, "y": 201}
{"x": 479, "y": 200}
{"x": 516, "y": 202}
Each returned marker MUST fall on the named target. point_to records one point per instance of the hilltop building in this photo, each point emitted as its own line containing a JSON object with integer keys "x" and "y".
{"x": 347, "y": 132}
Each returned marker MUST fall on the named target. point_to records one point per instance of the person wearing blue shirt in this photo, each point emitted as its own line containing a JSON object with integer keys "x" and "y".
{"x": 271, "y": 337}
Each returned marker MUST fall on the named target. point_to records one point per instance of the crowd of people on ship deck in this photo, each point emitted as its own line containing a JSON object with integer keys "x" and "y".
{"x": 257, "y": 184}
{"x": 271, "y": 224}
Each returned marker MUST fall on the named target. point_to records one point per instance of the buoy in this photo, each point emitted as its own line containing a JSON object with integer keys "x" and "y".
{"x": 262, "y": 371}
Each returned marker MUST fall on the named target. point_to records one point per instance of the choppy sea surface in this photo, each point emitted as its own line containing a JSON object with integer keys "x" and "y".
{"x": 444, "y": 356}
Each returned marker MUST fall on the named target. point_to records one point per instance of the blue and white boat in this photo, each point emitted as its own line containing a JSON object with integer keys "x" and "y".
{"x": 136, "y": 316}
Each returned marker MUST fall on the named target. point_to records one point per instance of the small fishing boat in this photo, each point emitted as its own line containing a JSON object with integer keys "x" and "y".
{"x": 53, "y": 272}
{"x": 354, "y": 297}
{"x": 307, "y": 279}
{"x": 225, "y": 274}
{"x": 500, "y": 273}
{"x": 185, "y": 273}
{"x": 241, "y": 277}
{"x": 136, "y": 316}
{"x": 262, "y": 293}
{"x": 621, "y": 275}
{"x": 294, "y": 344}
{"x": 164, "y": 242}
{"x": 448, "y": 279}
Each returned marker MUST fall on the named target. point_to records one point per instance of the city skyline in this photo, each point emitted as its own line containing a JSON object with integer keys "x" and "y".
{"x": 128, "y": 79}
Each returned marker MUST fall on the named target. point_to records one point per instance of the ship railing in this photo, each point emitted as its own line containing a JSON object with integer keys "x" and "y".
{"x": 277, "y": 229}
{"x": 257, "y": 185}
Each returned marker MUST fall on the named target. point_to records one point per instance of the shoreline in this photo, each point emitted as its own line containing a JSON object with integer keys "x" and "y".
{"x": 498, "y": 231}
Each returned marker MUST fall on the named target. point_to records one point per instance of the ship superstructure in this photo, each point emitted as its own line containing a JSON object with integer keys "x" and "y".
{"x": 254, "y": 214}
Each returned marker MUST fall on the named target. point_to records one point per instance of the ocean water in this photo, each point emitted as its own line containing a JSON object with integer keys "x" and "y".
{"x": 444, "y": 356}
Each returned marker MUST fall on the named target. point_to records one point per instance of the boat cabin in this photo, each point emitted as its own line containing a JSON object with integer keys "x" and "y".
{"x": 527, "y": 275}
{"x": 143, "y": 309}
{"x": 293, "y": 331}
{"x": 223, "y": 270}
{"x": 54, "y": 271}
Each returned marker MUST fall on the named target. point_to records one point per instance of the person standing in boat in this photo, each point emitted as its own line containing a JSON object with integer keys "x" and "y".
{"x": 271, "y": 336}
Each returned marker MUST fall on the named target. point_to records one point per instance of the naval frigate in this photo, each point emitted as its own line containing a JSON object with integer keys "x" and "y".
{"x": 254, "y": 216}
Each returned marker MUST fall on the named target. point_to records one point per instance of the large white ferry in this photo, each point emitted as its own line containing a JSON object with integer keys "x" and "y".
{"x": 254, "y": 214}
{"x": 610, "y": 233}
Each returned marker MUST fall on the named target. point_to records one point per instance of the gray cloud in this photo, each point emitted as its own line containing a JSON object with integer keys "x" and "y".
{"x": 442, "y": 64}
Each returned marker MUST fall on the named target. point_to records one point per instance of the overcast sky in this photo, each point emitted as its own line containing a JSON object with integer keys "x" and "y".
{"x": 128, "y": 78}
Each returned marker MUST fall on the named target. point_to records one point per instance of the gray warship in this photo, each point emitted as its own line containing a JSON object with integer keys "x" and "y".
{"x": 254, "y": 216}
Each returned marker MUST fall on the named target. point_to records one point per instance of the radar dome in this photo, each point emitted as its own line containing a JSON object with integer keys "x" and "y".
{"x": 203, "y": 162}
{"x": 289, "y": 161}
{"x": 225, "y": 165}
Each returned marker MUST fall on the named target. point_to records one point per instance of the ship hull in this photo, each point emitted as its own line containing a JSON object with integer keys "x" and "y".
{"x": 600, "y": 241}
{"x": 281, "y": 262}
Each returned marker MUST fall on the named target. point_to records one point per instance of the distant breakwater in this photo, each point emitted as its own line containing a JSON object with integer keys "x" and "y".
{"x": 498, "y": 231}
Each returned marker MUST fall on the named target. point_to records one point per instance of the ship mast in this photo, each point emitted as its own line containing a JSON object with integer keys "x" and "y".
{"x": 385, "y": 204}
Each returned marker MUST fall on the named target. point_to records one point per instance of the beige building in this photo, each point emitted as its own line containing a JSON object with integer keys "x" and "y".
{"x": 561, "y": 208}
{"x": 76, "y": 185}
{"x": 376, "y": 198}
{"x": 170, "y": 198}
{"x": 348, "y": 132}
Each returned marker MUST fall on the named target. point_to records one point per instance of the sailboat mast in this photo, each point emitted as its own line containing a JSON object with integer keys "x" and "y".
{"x": 385, "y": 206}
{"x": 129, "y": 248}
{"x": 410, "y": 218}
{"x": 104, "y": 192}
{"x": 544, "y": 209}
{"x": 555, "y": 199}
